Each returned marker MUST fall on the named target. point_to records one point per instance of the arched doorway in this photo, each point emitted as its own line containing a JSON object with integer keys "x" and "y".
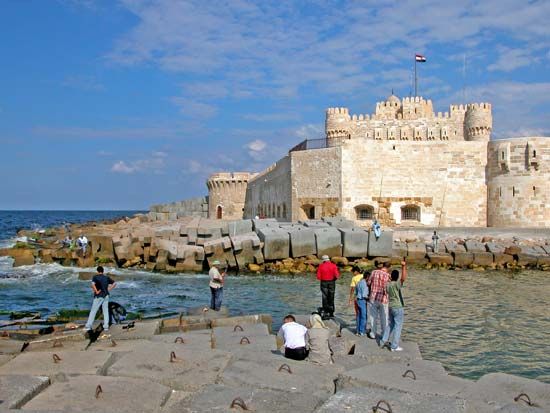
{"x": 219, "y": 212}
{"x": 309, "y": 211}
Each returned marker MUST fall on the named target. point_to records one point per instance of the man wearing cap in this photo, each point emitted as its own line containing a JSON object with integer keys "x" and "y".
{"x": 216, "y": 286}
{"x": 328, "y": 273}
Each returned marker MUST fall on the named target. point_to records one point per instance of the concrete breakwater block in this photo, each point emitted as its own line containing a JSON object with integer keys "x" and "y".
{"x": 220, "y": 250}
{"x": 381, "y": 247}
{"x": 243, "y": 345}
{"x": 503, "y": 259}
{"x": 361, "y": 400}
{"x": 16, "y": 390}
{"x": 314, "y": 223}
{"x": 499, "y": 390}
{"x": 247, "y": 249}
{"x": 338, "y": 222}
{"x": 463, "y": 259}
{"x": 369, "y": 350}
{"x": 239, "y": 227}
{"x": 46, "y": 364}
{"x": 207, "y": 233}
{"x": 258, "y": 224}
{"x": 243, "y": 319}
{"x": 328, "y": 242}
{"x": 452, "y": 246}
{"x": 355, "y": 242}
{"x": 238, "y": 330}
{"x": 416, "y": 252}
{"x": 416, "y": 376}
{"x": 302, "y": 241}
{"x": 484, "y": 259}
{"x": 472, "y": 245}
{"x": 219, "y": 398}
{"x": 440, "y": 259}
{"x": 174, "y": 365}
{"x": 124, "y": 395}
{"x": 196, "y": 340}
{"x": 276, "y": 243}
{"x": 141, "y": 330}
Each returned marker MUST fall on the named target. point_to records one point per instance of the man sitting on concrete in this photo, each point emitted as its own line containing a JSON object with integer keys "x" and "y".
{"x": 294, "y": 336}
{"x": 318, "y": 340}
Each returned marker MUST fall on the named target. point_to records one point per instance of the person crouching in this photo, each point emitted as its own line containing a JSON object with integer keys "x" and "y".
{"x": 294, "y": 336}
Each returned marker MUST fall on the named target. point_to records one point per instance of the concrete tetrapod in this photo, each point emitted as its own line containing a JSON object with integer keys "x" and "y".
{"x": 302, "y": 241}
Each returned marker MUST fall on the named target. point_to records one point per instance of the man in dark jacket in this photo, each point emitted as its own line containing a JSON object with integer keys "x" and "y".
{"x": 327, "y": 273}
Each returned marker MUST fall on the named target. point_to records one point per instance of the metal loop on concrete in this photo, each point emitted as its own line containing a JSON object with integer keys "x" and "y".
{"x": 179, "y": 340}
{"x": 113, "y": 343}
{"x": 411, "y": 372}
{"x": 98, "y": 391}
{"x": 129, "y": 326}
{"x": 244, "y": 339}
{"x": 524, "y": 397}
{"x": 57, "y": 343}
{"x": 382, "y": 409}
{"x": 24, "y": 346}
{"x": 173, "y": 357}
{"x": 285, "y": 367}
{"x": 56, "y": 358}
{"x": 238, "y": 402}
{"x": 237, "y": 327}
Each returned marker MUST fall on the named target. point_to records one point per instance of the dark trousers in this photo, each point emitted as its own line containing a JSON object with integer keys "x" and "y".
{"x": 216, "y": 298}
{"x": 299, "y": 353}
{"x": 327, "y": 291}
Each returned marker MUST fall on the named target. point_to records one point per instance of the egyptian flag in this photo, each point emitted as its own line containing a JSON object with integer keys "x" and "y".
{"x": 420, "y": 58}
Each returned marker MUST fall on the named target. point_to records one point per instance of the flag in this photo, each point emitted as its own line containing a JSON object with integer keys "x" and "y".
{"x": 420, "y": 58}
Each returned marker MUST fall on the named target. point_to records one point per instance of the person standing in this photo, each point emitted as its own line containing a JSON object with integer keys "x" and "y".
{"x": 327, "y": 273}
{"x": 83, "y": 244}
{"x": 362, "y": 295}
{"x": 216, "y": 286}
{"x": 396, "y": 305}
{"x": 101, "y": 286}
{"x": 294, "y": 337}
{"x": 378, "y": 299}
{"x": 357, "y": 276}
{"x": 435, "y": 241}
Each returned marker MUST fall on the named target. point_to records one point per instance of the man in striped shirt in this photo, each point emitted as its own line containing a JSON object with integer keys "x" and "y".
{"x": 378, "y": 298}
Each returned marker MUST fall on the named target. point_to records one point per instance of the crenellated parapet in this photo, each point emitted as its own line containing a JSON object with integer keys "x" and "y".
{"x": 337, "y": 123}
{"x": 478, "y": 122}
{"x": 226, "y": 194}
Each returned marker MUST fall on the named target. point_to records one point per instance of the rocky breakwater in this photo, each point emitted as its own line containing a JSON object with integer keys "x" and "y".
{"x": 191, "y": 244}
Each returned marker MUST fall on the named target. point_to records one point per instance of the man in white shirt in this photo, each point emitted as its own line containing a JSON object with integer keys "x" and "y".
{"x": 294, "y": 336}
{"x": 216, "y": 286}
{"x": 83, "y": 244}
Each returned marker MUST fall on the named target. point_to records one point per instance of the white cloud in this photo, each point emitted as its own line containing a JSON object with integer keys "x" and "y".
{"x": 256, "y": 149}
{"x": 511, "y": 59}
{"x": 122, "y": 167}
{"x": 159, "y": 154}
{"x": 154, "y": 165}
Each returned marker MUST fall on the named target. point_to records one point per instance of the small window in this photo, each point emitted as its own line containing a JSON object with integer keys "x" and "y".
{"x": 309, "y": 210}
{"x": 534, "y": 154}
{"x": 284, "y": 210}
{"x": 410, "y": 213}
{"x": 502, "y": 155}
{"x": 364, "y": 212}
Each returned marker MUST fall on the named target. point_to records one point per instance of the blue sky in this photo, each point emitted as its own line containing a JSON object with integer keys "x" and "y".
{"x": 122, "y": 104}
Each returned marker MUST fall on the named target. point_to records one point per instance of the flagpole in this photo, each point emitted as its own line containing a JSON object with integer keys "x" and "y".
{"x": 415, "y": 78}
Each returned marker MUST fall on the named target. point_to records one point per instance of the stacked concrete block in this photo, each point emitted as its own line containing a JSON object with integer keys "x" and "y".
{"x": 302, "y": 241}
{"x": 247, "y": 249}
{"x": 328, "y": 241}
{"x": 314, "y": 223}
{"x": 483, "y": 258}
{"x": 463, "y": 259}
{"x": 474, "y": 246}
{"x": 190, "y": 258}
{"x": 452, "y": 246}
{"x": 221, "y": 250}
{"x": 355, "y": 242}
{"x": 262, "y": 223}
{"x": 338, "y": 222}
{"x": 127, "y": 248}
{"x": 239, "y": 227}
{"x": 276, "y": 243}
{"x": 207, "y": 233}
{"x": 381, "y": 246}
{"x": 416, "y": 252}
{"x": 101, "y": 246}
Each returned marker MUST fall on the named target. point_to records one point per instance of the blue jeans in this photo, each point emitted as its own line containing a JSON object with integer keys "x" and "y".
{"x": 102, "y": 302}
{"x": 361, "y": 316}
{"x": 396, "y": 325}
{"x": 216, "y": 298}
{"x": 379, "y": 312}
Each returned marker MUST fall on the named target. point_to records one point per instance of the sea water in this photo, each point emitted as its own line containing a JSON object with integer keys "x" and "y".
{"x": 473, "y": 323}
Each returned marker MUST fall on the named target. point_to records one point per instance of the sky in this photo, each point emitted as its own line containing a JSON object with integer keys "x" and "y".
{"x": 125, "y": 104}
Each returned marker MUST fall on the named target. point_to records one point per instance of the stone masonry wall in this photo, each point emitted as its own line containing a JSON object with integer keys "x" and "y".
{"x": 226, "y": 194}
{"x": 519, "y": 182}
{"x": 446, "y": 180}
{"x": 268, "y": 193}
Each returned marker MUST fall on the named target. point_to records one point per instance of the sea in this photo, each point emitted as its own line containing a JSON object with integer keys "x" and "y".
{"x": 472, "y": 322}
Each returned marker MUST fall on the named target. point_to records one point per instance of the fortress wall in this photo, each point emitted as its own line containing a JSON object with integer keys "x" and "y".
{"x": 444, "y": 179}
{"x": 226, "y": 191}
{"x": 518, "y": 180}
{"x": 268, "y": 194}
{"x": 316, "y": 179}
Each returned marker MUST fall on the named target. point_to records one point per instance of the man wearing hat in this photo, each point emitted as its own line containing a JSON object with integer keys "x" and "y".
{"x": 327, "y": 273}
{"x": 216, "y": 286}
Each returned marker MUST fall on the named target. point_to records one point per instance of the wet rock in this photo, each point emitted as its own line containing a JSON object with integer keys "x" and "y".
{"x": 484, "y": 259}
{"x": 440, "y": 259}
{"x": 463, "y": 259}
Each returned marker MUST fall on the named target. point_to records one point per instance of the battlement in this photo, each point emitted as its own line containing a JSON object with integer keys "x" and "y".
{"x": 479, "y": 106}
{"x": 230, "y": 176}
{"x": 337, "y": 111}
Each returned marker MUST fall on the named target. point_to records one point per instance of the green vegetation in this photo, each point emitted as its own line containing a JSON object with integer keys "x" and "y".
{"x": 103, "y": 260}
{"x": 23, "y": 245}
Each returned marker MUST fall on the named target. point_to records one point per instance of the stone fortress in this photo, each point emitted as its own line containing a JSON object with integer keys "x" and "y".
{"x": 403, "y": 165}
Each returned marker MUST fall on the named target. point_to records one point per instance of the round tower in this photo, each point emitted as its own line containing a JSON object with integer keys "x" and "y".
{"x": 226, "y": 194}
{"x": 478, "y": 122}
{"x": 337, "y": 125}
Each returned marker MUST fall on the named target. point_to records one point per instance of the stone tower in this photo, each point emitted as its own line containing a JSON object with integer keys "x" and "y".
{"x": 337, "y": 125}
{"x": 226, "y": 194}
{"x": 478, "y": 122}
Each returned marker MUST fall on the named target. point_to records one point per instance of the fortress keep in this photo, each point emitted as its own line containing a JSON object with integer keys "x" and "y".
{"x": 405, "y": 166}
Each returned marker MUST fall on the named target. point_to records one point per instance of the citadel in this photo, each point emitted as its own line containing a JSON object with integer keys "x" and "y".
{"x": 403, "y": 165}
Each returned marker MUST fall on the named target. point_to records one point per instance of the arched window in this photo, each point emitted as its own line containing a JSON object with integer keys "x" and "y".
{"x": 364, "y": 212}
{"x": 309, "y": 211}
{"x": 219, "y": 212}
{"x": 410, "y": 213}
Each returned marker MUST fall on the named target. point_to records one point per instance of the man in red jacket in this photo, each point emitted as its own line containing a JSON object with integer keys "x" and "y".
{"x": 327, "y": 273}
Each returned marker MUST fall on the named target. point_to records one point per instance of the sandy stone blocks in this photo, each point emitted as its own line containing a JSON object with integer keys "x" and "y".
{"x": 355, "y": 242}
{"x": 221, "y": 250}
{"x": 247, "y": 249}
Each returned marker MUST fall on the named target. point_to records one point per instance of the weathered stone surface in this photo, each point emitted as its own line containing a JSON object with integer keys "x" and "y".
{"x": 190, "y": 257}
{"x": 399, "y": 249}
{"x": 513, "y": 250}
{"x": 220, "y": 250}
{"x": 381, "y": 247}
{"x": 21, "y": 256}
{"x": 42, "y": 363}
{"x": 416, "y": 251}
{"x": 501, "y": 259}
{"x": 16, "y": 390}
{"x": 328, "y": 241}
{"x": 527, "y": 259}
{"x": 312, "y": 223}
{"x": 472, "y": 245}
{"x": 276, "y": 243}
{"x": 239, "y": 227}
{"x": 452, "y": 246}
{"x": 247, "y": 249}
{"x": 141, "y": 330}
{"x": 338, "y": 222}
{"x": 302, "y": 242}
{"x": 263, "y": 223}
{"x": 543, "y": 260}
{"x": 440, "y": 259}
{"x": 483, "y": 258}
{"x": 463, "y": 259}
{"x": 494, "y": 247}
{"x": 124, "y": 395}
{"x": 208, "y": 232}
{"x": 355, "y": 242}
